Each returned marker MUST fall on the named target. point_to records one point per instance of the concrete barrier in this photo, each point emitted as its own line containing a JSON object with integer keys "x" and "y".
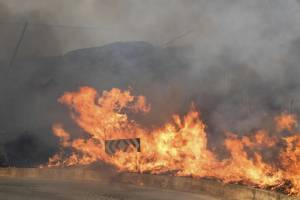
{"x": 184, "y": 184}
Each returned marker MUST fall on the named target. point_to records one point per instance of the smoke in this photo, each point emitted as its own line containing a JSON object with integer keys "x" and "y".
{"x": 237, "y": 60}
{"x": 252, "y": 66}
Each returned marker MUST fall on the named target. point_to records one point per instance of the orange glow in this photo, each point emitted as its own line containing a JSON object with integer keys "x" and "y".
{"x": 286, "y": 122}
{"x": 290, "y": 159}
{"x": 179, "y": 147}
{"x": 240, "y": 167}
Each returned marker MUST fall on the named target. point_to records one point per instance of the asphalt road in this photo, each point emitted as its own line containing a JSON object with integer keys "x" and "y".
{"x": 40, "y": 189}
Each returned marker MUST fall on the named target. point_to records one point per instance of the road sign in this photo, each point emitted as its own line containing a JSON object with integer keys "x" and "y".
{"x": 112, "y": 146}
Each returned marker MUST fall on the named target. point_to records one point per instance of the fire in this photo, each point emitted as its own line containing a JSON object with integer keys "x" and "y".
{"x": 286, "y": 122}
{"x": 241, "y": 168}
{"x": 290, "y": 158}
{"x": 179, "y": 147}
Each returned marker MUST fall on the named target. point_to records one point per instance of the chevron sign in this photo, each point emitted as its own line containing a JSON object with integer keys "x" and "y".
{"x": 112, "y": 146}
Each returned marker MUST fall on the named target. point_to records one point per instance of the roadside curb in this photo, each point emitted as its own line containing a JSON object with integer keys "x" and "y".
{"x": 184, "y": 184}
{"x": 203, "y": 186}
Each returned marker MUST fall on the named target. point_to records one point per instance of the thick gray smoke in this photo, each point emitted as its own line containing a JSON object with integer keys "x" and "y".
{"x": 237, "y": 60}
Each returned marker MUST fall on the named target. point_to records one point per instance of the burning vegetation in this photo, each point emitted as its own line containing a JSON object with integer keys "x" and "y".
{"x": 268, "y": 158}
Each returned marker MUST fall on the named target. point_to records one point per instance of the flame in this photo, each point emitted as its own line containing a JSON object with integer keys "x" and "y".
{"x": 285, "y": 122}
{"x": 290, "y": 158}
{"x": 179, "y": 147}
{"x": 241, "y": 168}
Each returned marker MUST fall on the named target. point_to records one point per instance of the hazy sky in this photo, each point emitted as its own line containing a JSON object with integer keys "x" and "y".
{"x": 118, "y": 20}
{"x": 255, "y": 26}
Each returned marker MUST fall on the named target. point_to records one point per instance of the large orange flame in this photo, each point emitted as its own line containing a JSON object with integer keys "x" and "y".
{"x": 178, "y": 147}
